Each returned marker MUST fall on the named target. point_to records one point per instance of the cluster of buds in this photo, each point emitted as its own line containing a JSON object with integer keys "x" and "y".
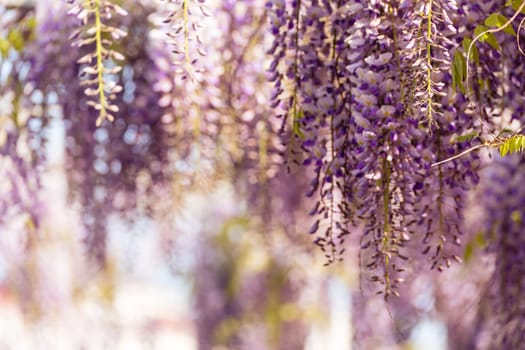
{"x": 100, "y": 63}
{"x": 185, "y": 26}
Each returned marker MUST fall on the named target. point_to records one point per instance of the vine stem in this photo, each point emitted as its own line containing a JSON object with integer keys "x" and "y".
{"x": 429, "y": 64}
{"x": 494, "y": 143}
{"x": 100, "y": 65}
{"x": 186, "y": 23}
{"x": 467, "y": 151}
{"x": 518, "y": 36}
{"x": 489, "y": 31}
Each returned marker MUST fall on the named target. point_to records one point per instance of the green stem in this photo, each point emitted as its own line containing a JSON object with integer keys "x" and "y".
{"x": 296, "y": 64}
{"x": 429, "y": 64}
{"x": 186, "y": 33}
{"x": 100, "y": 64}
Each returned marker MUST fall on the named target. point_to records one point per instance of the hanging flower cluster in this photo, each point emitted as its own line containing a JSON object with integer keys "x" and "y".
{"x": 110, "y": 169}
{"x": 99, "y": 64}
{"x": 366, "y": 89}
{"x": 185, "y": 24}
{"x": 21, "y": 150}
{"x": 119, "y": 166}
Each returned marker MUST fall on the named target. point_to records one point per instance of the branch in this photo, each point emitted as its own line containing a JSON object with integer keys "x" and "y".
{"x": 473, "y": 148}
{"x": 496, "y": 143}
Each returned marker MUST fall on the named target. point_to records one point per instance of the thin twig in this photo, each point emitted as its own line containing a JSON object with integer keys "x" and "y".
{"x": 473, "y": 148}
{"x": 518, "y": 36}
{"x": 497, "y": 142}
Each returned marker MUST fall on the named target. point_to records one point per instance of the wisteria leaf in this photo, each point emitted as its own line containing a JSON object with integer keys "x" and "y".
{"x": 480, "y": 240}
{"x": 16, "y": 39}
{"x": 474, "y": 54}
{"x": 519, "y": 143}
{"x": 515, "y": 4}
{"x": 489, "y": 38}
{"x": 504, "y": 149}
{"x": 513, "y": 145}
{"x": 467, "y": 137}
{"x": 458, "y": 71}
{"x": 296, "y": 125}
{"x": 516, "y": 217}
{"x": 468, "y": 252}
{"x": 477, "y": 242}
{"x": 498, "y": 21}
{"x": 5, "y": 45}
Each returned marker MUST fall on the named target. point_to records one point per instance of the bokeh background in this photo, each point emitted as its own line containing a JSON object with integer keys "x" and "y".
{"x": 183, "y": 224}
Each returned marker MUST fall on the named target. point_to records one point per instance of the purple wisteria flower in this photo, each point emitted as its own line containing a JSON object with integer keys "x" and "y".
{"x": 366, "y": 90}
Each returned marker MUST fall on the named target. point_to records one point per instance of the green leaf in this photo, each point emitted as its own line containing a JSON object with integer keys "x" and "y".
{"x": 489, "y": 38}
{"x": 297, "y": 130}
{"x": 516, "y": 217}
{"x": 31, "y": 26}
{"x": 513, "y": 145}
{"x": 484, "y": 83}
{"x": 4, "y": 47}
{"x": 467, "y": 137}
{"x": 474, "y": 54}
{"x": 468, "y": 252}
{"x": 454, "y": 79}
{"x": 459, "y": 71}
{"x": 460, "y": 62}
{"x": 480, "y": 240}
{"x": 16, "y": 39}
{"x": 498, "y": 21}
{"x": 296, "y": 125}
{"x": 504, "y": 149}
{"x": 515, "y": 5}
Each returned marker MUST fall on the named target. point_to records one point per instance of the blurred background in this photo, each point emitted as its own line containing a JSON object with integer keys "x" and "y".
{"x": 183, "y": 224}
